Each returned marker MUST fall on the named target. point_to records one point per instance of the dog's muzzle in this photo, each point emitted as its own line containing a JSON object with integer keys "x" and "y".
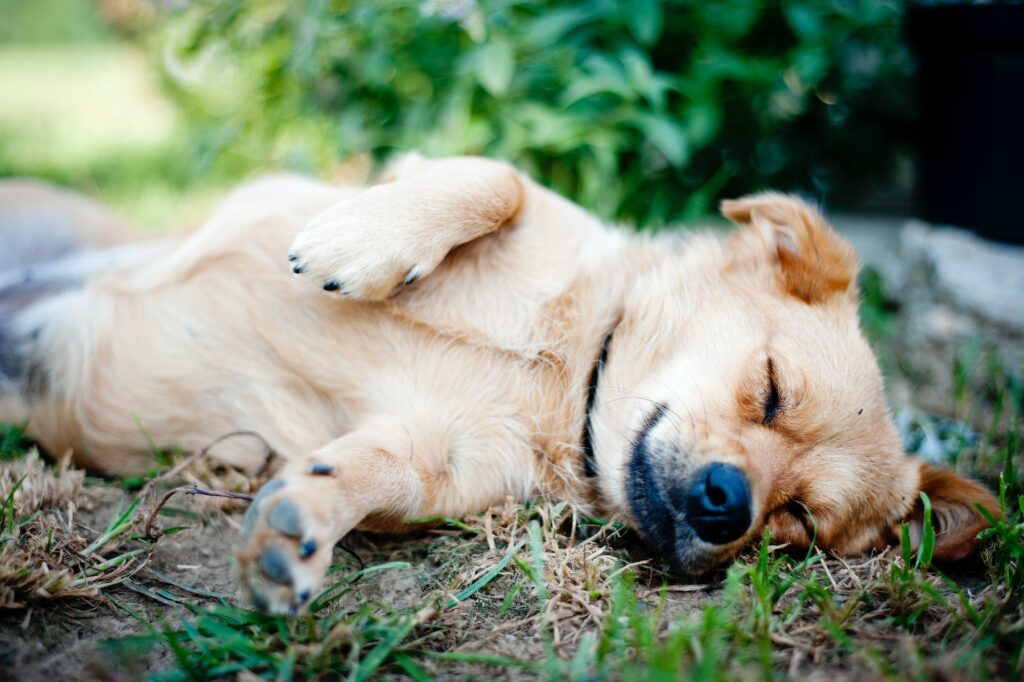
{"x": 687, "y": 515}
{"x": 718, "y": 504}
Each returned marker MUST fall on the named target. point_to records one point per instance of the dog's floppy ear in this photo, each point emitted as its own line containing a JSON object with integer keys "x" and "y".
{"x": 814, "y": 263}
{"x": 955, "y": 515}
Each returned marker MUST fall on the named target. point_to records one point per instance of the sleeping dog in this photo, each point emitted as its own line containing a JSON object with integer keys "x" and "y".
{"x": 457, "y": 334}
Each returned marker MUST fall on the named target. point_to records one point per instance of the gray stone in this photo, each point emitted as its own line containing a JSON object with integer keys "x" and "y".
{"x": 979, "y": 277}
{"x": 877, "y": 241}
{"x": 959, "y": 289}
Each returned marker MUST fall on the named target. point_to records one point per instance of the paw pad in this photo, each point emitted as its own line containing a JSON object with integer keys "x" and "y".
{"x": 253, "y": 512}
{"x": 275, "y": 565}
{"x": 286, "y": 518}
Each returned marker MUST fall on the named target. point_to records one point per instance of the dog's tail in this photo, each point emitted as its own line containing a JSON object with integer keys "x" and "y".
{"x": 52, "y": 241}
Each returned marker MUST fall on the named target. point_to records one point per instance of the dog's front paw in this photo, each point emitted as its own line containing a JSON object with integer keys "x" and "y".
{"x": 287, "y": 543}
{"x": 367, "y": 246}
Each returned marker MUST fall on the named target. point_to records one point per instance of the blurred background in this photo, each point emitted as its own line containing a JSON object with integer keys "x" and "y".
{"x": 647, "y": 111}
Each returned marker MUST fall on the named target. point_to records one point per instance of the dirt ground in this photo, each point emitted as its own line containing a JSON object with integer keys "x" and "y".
{"x": 62, "y": 638}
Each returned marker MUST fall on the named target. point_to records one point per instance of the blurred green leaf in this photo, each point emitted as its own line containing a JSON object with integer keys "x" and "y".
{"x": 496, "y": 67}
{"x": 805, "y": 19}
{"x": 644, "y": 19}
{"x": 666, "y": 135}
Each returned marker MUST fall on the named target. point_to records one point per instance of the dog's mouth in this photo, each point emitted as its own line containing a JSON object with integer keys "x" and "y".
{"x": 693, "y": 516}
{"x": 587, "y": 439}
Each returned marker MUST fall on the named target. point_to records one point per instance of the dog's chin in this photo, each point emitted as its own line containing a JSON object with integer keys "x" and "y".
{"x": 686, "y": 555}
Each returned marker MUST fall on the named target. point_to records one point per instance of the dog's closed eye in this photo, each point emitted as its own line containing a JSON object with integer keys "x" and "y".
{"x": 772, "y": 400}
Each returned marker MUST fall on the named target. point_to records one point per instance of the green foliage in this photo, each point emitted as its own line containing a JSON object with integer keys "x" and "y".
{"x": 14, "y": 442}
{"x": 1007, "y": 531}
{"x": 877, "y": 308}
{"x": 646, "y": 110}
{"x": 222, "y": 640}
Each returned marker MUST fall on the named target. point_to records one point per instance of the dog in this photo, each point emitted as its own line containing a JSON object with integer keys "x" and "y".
{"x": 456, "y": 334}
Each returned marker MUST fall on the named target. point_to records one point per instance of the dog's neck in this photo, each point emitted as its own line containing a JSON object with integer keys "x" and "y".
{"x": 579, "y": 326}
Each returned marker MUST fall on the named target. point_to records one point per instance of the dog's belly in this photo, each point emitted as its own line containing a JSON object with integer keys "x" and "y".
{"x": 180, "y": 366}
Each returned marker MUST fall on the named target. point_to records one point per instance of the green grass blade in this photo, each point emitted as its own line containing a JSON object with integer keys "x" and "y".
{"x": 379, "y": 654}
{"x": 7, "y": 511}
{"x": 927, "y": 549}
{"x": 412, "y": 669}
{"x": 484, "y": 579}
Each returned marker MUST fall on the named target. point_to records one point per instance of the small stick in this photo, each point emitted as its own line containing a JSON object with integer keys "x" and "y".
{"x": 198, "y": 454}
{"x": 154, "y": 534}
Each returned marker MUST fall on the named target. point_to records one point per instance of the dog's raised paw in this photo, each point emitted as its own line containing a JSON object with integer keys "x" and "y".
{"x": 367, "y": 247}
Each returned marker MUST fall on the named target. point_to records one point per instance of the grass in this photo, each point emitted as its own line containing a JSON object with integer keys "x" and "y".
{"x": 774, "y": 613}
{"x": 14, "y": 443}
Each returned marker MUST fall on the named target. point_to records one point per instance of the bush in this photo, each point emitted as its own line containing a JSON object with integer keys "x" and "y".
{"x": 647, "y": 110}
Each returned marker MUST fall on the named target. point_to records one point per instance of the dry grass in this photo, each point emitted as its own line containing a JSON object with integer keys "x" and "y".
{"x": 541, "y": 591}
{"x": 39, "y": 538}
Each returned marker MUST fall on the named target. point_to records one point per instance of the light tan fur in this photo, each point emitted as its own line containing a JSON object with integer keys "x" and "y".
{"x": 391, "y": 401}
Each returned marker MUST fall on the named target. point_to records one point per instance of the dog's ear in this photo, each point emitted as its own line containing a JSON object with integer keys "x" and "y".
{"x": 955, "y": 515}
{"x": 814, "y": 263}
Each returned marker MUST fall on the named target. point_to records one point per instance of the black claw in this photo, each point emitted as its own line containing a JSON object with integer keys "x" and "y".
{"x": 318, "y": 469}
{"x": 307, "y": 549}
{"x": 411, "y": 277}
{"x": 293, "y": 257}
{"x": 297, "y": 269}
{"x": 331, "y": 285}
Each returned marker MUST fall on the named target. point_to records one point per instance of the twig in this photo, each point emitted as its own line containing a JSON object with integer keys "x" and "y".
{"x": 352, "y": 553}
{"x": 786, "y": 641}
{"x": 154, "y": 534}
{"x": 195, "y": 456}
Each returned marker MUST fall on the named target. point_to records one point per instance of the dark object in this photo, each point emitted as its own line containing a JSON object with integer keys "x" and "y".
{"x": 971, "y": 121}
{"x": 718, "y": 504}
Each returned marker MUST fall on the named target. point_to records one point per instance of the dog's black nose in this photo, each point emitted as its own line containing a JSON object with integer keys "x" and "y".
{"x": 718, "y": 504}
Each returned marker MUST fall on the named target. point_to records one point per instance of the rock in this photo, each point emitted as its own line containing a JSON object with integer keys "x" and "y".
{"x": 959, "y": 289}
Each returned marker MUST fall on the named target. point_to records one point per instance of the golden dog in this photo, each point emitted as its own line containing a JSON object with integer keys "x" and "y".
{"x": 457, "y": 334}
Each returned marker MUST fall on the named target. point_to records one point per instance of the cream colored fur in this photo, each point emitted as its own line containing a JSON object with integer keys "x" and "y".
{"x": 444, "y": 395}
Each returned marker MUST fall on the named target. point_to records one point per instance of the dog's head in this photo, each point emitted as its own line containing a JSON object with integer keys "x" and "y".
{"x": 739, "y": 393}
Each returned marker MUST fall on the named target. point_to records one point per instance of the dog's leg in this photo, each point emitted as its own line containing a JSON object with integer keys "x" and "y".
{"x": 395, "y": 233}
{"x": 378, "y": 479}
